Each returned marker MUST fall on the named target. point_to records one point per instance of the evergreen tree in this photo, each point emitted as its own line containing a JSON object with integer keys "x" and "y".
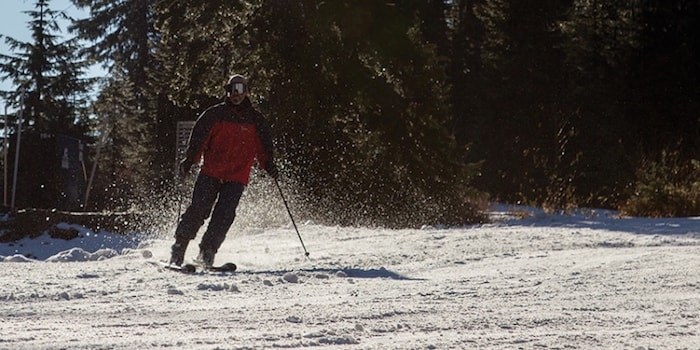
{"x": 553, "y": 96}
{"x": 506, "y": 69}
{"x": 356, "y": 94}
{"x": 664, "y": 79}
{"x": 120, "y": 32}
{"x": 200, "y": 45}
{"x": 537, "y": 160}
{"x": 51, "y": 74}
{"x": 630, "y": 65}
{"x": 465, "y": 69}
{"x": 122, "y": 140}
{"x": 48, "y": 74}
{"x": 122, "y": 36}
{"x": 362, "y": 100}
{"x": 599, "y": 39}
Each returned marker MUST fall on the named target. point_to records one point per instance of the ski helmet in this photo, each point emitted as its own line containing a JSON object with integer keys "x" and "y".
{"x": 237, "y": 83}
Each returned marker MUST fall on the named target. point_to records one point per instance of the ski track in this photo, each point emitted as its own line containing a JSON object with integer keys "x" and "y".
{"x": 513, "y": 285}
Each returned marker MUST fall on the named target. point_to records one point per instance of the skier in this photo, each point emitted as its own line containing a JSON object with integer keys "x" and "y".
{"x": 229, "y": 136}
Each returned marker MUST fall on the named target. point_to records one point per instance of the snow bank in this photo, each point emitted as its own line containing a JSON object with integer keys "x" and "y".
{"x": 86, "y": 246}
{"x": 79, "y": 254}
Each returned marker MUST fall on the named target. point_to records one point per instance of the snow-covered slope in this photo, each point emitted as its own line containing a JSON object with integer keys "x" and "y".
{"x": 589, "y": 280}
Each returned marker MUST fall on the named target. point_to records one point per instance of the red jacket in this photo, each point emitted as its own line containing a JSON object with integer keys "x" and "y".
{"x": 230, "y": 138}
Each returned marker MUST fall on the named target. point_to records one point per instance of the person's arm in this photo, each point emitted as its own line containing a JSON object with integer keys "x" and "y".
{"x": 266, "y": 154}
{"x": 200, "y": 133}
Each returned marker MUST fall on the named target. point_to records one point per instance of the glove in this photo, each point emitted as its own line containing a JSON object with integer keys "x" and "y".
{"x": 271, "y": 169}
{"x": 185, "y": 167}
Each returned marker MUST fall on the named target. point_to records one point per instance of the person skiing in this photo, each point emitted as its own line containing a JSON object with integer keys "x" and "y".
{"x": 229, "y": 136}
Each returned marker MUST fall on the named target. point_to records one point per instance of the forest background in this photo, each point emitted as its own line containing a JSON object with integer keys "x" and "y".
{"x": 396, "y": 113}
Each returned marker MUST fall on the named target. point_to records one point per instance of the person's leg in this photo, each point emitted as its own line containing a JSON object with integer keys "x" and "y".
{"x": 221, "y": 220}
{"x": 203, "y": 196}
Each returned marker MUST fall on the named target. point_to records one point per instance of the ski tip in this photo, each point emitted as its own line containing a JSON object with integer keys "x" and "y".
{"x": 228, "y": 267}
{"x": 188, "y": 268}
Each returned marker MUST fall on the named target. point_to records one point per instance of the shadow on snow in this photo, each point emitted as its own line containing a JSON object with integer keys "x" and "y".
{"x": 349, "y": 272}
{"x": 600, "y": 220}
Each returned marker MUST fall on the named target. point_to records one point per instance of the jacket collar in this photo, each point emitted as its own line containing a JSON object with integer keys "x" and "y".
{"x": 243, "y": 106}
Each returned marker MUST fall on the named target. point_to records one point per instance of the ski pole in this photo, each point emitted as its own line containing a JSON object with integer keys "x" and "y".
{"x": 291, "y": 217}
{"x": 179, "y": 201}
{"x": 179, "y": 184}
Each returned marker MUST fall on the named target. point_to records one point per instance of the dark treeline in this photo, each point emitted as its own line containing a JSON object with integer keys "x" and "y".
{"x": 392, "y": 113}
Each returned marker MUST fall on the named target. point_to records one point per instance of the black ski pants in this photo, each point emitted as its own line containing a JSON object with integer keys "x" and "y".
{"x": 207, "y": 191}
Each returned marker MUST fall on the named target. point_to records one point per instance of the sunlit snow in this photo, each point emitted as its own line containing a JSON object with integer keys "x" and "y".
{"x": 529, "y": 280}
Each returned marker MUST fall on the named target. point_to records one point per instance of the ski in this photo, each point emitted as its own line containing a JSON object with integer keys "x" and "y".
{"x": 185, "y": 268}
{"x": 227, "y": 267}
{"x": 193, "y": 268}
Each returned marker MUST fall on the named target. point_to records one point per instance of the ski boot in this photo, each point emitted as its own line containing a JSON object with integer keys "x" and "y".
{"x": 206, "y": 258}
{"x": 177, "y": 252}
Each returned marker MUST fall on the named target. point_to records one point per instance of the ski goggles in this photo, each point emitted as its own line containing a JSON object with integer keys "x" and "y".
{"x": 238, "y": 88}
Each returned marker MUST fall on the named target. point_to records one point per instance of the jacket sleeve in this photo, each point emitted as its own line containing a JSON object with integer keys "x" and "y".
{"x": 266, "y": 154}
{"x": 200, "y": 133}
